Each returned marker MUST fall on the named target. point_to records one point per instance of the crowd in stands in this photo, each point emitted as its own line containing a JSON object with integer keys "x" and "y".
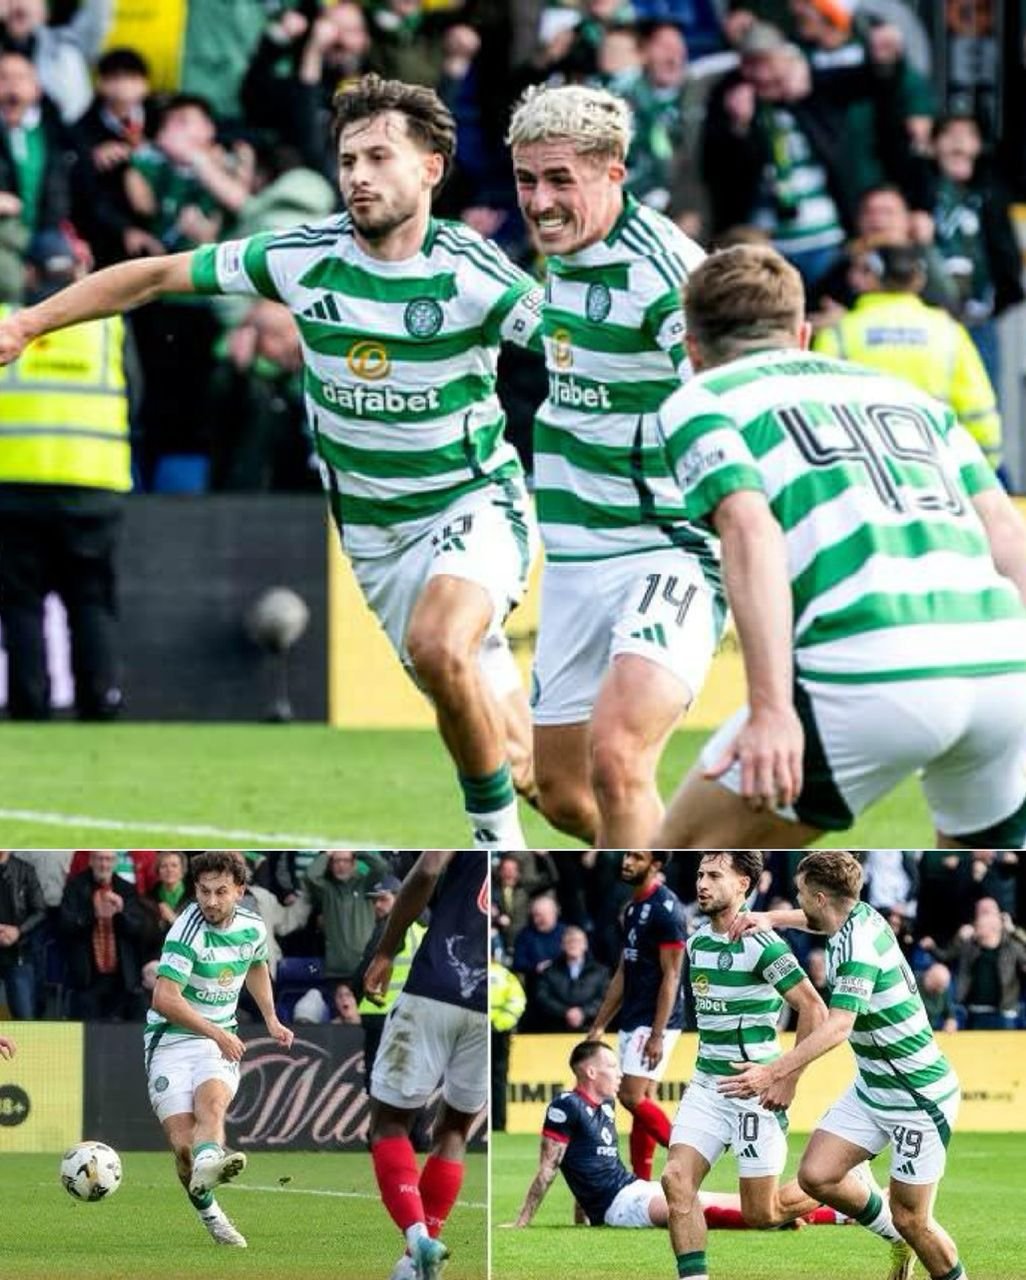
{"x": 957, "y": 916}
{"x": 784, "y": 120}
{"x": 81, "y": 932}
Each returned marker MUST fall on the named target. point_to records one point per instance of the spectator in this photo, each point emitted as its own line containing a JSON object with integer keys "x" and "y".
{"x": 570, "y": 990}
{"x": 405, "y": 42}
{"x": 345, "y": 1005}
{"x": 892, "y": 880}
{"x": 101, "y": 920}
{"x": 883, "y": 217}
{"x": 994, "y": 874}
{"x": 935, "y": 988}
{"x": 510, "y": 901}
{"x": 181, "y": 190}
{"x": 656, "y": 97}
{"x": 816, "y": 968}
{"x": 945, "y": 894}
{"x": 164, "y": 902}
{"x": 506, "y": 1004}
{"x": 108, "y": 136}
{"x": 62, "y": 55}
{"x": 891, "y": 329}
{"x": 774, "y": 151}
{"x": 538, "y": 943}
{"x": 974, "y": 233}
{"x": 257, "y": 398}
{"x": 137, "y": 866}
{"x": 22, "y": 911}
{"x": 990, "y": 965}
{"x": 37, "y": 154}
{"x": 64, "y": 471}
{"x": 339, "y": 888}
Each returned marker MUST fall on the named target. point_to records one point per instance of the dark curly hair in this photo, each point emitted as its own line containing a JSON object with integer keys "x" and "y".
{"x": 746, "y": 862}
{"x": 429, "y": 121}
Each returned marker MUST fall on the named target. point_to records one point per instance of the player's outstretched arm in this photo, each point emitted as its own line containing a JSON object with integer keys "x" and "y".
{"x": 550, "y": 1158}
{"x": 770, "y": 745}
{"x": 258, "y": 984}
{"x": 106, "y": 293}
{"x": 759, "y": 921}
{"x": 413, "y": 896}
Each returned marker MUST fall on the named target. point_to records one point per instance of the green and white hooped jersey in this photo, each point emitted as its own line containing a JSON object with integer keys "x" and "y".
{"x": 800, "y": 186}
{"x": 614, "y": 335}
{"x": 870, "y": 480}
{"x": 738, "y": 989}
{"x": 900, "y": 1066}
{"x": 210, "y": 965}
{"x": 400, "y": 361}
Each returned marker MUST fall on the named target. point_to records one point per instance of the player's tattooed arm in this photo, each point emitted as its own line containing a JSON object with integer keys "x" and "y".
{"x": 551, "y": 1157}
{"x": 611, "y": 1001}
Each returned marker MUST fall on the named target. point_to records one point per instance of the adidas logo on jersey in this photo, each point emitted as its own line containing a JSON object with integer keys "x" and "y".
{"x": 568, "y": 391}
{"x": 749, "y": 1153}
{"x": 908, "y": 1167}
{"x": 653, "y": 635}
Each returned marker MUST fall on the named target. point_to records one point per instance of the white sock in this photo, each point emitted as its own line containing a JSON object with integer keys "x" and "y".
{"x": 414, "y": 1233}
{"x": 499, "y": 829}
{"x": 881, "y": 1224}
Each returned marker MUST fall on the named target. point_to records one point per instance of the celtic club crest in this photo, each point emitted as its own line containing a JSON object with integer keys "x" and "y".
{"x": 598, "y": 303}
{"x": 423, "y": 317}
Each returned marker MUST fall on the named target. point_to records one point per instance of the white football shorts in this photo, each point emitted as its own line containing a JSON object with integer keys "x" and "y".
{"x": 631, "y": 1045}
{"x": 965, "y": 736}
{"x": 426, "y": 1043}
{"x": 631, "y": 1206}
{"x": 918, "y": 1146}
{"x": 179, "y": 1066}
{"x": 657, "y": 604}
{"x": 710, "y": 1123}
{"x": 489, "y": 538}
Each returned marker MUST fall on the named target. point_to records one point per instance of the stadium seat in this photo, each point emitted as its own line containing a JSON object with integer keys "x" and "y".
{"x": 295, "y": 976}
{"x": 182, "y": 473}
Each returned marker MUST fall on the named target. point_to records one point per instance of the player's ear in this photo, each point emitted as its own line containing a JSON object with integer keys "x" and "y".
{"x": 434, "y": 168}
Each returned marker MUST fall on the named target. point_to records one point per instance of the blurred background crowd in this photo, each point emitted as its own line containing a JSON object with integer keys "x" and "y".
{"x": 816, "y": 124}
{"x": 957, "y": 916}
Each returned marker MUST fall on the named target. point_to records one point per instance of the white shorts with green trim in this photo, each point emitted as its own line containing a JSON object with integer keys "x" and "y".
{"x": 918, "y": 1139}
{"x": 658, "y": 605}
{"x": 631, "y": 1208}
{"x": 965, "y": 737}
{"x": 426, "y": 1043}
{"x": 711, "y": 1123}
{"x": 177, "y": 1068}
{"x": 488, "y": 538}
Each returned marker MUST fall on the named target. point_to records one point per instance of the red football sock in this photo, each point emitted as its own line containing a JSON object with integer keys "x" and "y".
{"x": 440, "y": 1183}
{"x": 395, "y": 1167}
{"x": 823, "y": 1216}
{"x": 654, "y": 1119}
{"x": 720, "y": 1219}
{"x": 643, "y": 1147}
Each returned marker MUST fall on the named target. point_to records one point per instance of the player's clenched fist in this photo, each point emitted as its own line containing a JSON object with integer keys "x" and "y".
{"x": 13, "y": 339}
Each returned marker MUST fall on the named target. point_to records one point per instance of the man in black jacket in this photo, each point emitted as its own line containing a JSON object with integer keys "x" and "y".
{"x": 570, "y": 990}
{"x": 101, "y": 918}
{"x": 22, "y": 909}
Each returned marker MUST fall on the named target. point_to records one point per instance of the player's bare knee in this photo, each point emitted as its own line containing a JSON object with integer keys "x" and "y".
{"x": 632, "y": 1090}
{"x": 812, "y": 1180}
{"x": 761, "y": 1216}
{"x": 617, "y": 772}
{"x": 439, "y": 659}
{"x": 568, "y": 808}
{"x": 911, "y": 1221}
{"x": 679, "y": 1188}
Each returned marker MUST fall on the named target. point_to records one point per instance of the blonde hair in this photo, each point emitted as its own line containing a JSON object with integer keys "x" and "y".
{"x": 596, "y": 122}
{"x": 743, "y": 298}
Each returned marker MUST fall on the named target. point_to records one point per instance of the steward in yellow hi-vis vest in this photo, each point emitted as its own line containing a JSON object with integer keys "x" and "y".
{"x": 891, "y": 329}
{"x": 65, "y": 467}
{"x": 372, "y": 1016}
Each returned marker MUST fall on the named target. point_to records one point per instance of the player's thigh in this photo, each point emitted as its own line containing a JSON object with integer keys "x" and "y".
{"x": 638, "y": 704}
{"x": 846, "y": 1135}
{"x": 212, "y": 1099}
{"x": 391, "y": 586}
{"x": 708, "y": 814}
{"x": 639, "y": 1204}
{"x": 670, "y": 615}
{"x": 175, "y": 1071}
{"x": 465, "y": 1082}
{"x": 633, "y": 1065}
{"x": 978, "y": 786}
{"x": 416, "y": 1044}
{"x": 702, "y": 1128}
{"x": 576, "y": 618}
{"x": 561, "y": 756}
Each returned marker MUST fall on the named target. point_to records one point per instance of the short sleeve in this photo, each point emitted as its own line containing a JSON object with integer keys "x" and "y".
{"x": 669, "y": 925}
{"x": 560, "y": 1120}
{"x": 856, "y": 975}
{"x": 777, "y": 964}
{"x": 177, "y": 958}
{"x": 706, "y": 451}
{"x": 236, "y": 266}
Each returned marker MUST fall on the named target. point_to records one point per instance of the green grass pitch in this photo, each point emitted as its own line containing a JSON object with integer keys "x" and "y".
{"x": 980, "y": 1204}
{"x": 286, "y": 786}
{"x": 327, "y": 1222}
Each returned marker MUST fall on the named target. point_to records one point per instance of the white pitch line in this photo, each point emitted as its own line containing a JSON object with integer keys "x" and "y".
{"x": 341, "y": 1195}
{"x": 279, "y": 839}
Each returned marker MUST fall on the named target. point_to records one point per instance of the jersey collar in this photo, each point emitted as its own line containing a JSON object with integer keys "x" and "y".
{"x": 595, "y": 1102}
{"x": 642, "y": 895}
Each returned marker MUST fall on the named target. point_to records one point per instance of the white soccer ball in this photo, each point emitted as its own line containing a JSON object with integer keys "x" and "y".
{"x": 91, "y": 1171}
